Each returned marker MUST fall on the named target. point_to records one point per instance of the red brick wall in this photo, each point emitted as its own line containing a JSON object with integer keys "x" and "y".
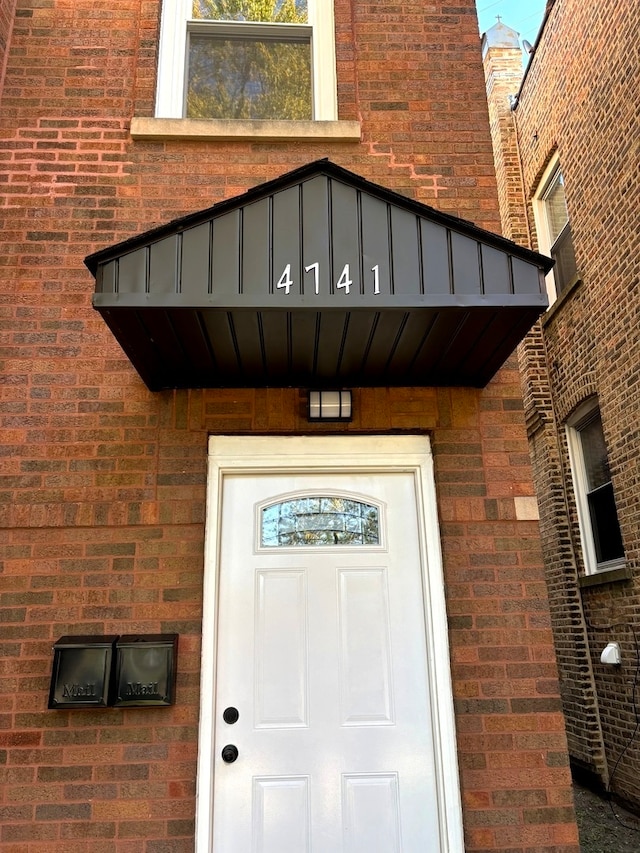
{"x": 575, "y": 100}
{"x": 7, "y": 12}
{"x": 103, "y": 482}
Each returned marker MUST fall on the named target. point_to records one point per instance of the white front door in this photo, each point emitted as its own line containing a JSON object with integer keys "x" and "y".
{"x": 324, "y": 732}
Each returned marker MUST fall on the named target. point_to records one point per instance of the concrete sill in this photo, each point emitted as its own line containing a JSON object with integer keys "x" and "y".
{"x": 622, "y": 573}
{"x": 216, "y": 130}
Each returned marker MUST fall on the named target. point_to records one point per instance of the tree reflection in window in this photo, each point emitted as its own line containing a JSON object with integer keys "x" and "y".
{"x": 249, "y": 59}
{"x": 320, "y": 520}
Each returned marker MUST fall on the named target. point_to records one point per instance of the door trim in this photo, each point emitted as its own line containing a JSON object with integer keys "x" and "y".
{"x": 344, "y": 455}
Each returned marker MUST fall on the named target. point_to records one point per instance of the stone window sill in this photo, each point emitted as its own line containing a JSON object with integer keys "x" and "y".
{"x": 217, "y": 130}
{"x": 621, "y": 573}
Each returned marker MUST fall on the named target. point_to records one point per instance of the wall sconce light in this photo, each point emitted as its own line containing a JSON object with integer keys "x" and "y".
{"x": 329, "y": 406}
{"x": 611, "y": 654}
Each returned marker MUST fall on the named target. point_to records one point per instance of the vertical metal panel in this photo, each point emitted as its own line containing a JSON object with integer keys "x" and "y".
{"x": 107, "y": 277}
{"x": 414, "y": 330}
{"x": 167, "y": 343}
{"x": 225, "y": 262}
{"x": 345, "y": 233}
{"x": 163, "y": 265}
{"x": 286, "y": 243}
{"x": 330, "y": 340}
{"x": 196, "y": 260}
{"x": 526, "y": 277}
{"x": 435, "y": 257}
{"x": 275, "y": 327}
{"x": 463, "y": 341}
{"x": 255, "y": 248}
{"x": 496, "y": 275}
{"x": 376, "y": 249}
{"x": 221, "y": 342}
{"x": 315, "y": 232}
{"x": 488, "y": 352}
{"x": 406, "y": 252}
{"x": 130, "y": 332}
{"x": 466, "y": 268}
{"x": 358, "y": 334}
{"x": 303, "y": 341}
{"x": 441, "y": 331}
{"x": 189, "y": 326}
{"x": 248, "y": 337}
{"x": 385, "y": 336}
{"x": 132, "y": 272}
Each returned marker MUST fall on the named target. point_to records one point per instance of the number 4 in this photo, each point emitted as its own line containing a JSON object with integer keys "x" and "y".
{"x": 285, "y": 281}
{"x": 344, "y": 282}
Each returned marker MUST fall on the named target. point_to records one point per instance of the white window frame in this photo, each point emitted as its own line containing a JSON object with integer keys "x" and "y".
{"x": 172, "y": 59}
{"x": 585, "y": 413}
{"x": 542, "y": 225}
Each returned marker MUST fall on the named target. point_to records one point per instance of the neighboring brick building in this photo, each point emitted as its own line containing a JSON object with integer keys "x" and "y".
{"x": 567, "y": 154}
{"x": 107, "y": 485}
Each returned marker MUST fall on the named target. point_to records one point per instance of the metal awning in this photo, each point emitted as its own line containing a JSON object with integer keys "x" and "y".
{"x": 318, "y": 279}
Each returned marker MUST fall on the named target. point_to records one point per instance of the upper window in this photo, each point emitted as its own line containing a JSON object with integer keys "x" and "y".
{"x": 247, "y": 59}
{"x": 554, "y": 231}
{"x": 598, "y": 517}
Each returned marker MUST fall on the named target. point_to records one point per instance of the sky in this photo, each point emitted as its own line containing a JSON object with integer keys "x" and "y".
{"x": 523, "y": 16}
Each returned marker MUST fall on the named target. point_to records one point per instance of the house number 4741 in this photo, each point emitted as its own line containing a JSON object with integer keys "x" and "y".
{"x": 285, "y": 282}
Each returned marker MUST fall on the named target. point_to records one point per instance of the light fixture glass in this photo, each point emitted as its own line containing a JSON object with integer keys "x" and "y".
{"x": 329, "y": 405}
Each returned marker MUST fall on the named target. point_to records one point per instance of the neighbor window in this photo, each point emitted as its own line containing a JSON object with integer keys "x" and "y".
{"x": 247, "y": 59}
{"x": 598, "y": 517}
{"x": 554, "y": 230}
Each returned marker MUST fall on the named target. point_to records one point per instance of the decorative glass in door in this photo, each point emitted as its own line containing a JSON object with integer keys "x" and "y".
{"x": 319, "y": 520}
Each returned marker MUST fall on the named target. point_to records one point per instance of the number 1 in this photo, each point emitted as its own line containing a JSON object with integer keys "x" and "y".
{"x": 376, "y": 278}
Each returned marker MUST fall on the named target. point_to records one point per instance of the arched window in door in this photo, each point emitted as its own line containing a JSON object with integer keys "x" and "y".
{"x": 319, "y": 520}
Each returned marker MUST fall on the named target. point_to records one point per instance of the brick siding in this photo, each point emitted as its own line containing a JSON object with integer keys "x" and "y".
{"x": 576, "y": 102}
{"x": 103, "y": 482}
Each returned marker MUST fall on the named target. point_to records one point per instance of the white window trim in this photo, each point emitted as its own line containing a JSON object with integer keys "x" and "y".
{"x": 170, "y": 91}
{"x": 581, "y": 488}
{"x": 542, "y": 225}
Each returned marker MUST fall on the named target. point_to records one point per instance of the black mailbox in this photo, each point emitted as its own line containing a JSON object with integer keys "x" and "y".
{"x": 81, "y": 672}
{"x": 145, "y": 670}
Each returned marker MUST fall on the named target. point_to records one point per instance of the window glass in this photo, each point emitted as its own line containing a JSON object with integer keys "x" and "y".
{"x": 600, "y": 497}
{"x": 249, "y": 78}
{"x": 594, "y": 450}
{"x": 259, "y": 67}
{"x": 556, "y": 206}
{"x": 319, "y": 520}
{"x": 598, "y": 516}
{"x": 604, "y": 522}
{"x": 281, "y": 11}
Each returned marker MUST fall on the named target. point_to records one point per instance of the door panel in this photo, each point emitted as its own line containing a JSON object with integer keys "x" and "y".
{"x": 365, "y": 654}
{"x": 371, "y": 812}
{"x": 321, "y": 648}
{"x": 274, "y": 797}
{"x": 281, "y": 662}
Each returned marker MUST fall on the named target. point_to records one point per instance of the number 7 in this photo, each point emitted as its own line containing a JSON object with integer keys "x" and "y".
{"x": 316, "y": 276}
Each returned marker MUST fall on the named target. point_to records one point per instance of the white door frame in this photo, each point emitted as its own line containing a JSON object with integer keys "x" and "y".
{"x": 343, "y": 455}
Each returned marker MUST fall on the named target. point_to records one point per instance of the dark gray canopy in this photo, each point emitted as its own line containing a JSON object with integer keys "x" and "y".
{"x": 318, "y": 279}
